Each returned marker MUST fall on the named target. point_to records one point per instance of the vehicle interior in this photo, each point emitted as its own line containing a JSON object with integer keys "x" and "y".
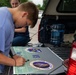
{"x": 58, "y": 12}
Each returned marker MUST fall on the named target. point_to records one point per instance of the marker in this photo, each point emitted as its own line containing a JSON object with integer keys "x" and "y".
{"x": 27, "y": 60}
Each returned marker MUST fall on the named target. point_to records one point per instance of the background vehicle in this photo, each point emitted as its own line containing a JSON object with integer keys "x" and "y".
{"x": 40, "y": 14}
{"x": 57, "y": 12}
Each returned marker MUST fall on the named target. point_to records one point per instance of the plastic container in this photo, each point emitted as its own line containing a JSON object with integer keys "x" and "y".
{"x": 57, "y": 34}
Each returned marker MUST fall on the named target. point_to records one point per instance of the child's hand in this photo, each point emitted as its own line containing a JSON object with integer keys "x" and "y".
{"x": 19, "y": 61}
{"x": 16, "y": 56}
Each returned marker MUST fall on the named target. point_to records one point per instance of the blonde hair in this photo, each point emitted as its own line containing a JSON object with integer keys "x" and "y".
{"x": 32, "y": 11}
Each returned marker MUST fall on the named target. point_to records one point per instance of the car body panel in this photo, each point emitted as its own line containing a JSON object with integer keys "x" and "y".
{"x": 51, "y": 8}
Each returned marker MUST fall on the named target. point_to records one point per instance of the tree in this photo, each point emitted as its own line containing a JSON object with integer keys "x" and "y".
{"x": 4, "y": 3}
{"x": 23, "y": 1}
{"x": 44, "y": 4}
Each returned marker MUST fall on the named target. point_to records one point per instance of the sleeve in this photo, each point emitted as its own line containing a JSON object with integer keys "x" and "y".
{"x": 2, "y": 39}
{"x": 12, "y": 52}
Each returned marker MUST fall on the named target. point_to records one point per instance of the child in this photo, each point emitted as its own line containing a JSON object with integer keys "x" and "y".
{"x": 21, "y": 36}
{"x": 26, "y": 14}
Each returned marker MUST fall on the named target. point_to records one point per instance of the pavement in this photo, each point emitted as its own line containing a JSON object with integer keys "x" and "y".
{"x": 34, "y": 33}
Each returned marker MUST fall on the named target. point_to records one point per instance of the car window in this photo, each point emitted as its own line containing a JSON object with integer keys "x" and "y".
{"x": 67, "y": 6}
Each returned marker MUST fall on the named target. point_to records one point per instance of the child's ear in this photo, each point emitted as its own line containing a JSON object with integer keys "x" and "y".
{"x": 24, "y": 14}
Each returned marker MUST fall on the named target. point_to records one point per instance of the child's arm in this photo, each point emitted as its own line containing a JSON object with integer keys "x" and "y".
{"x": 10, "y": 61}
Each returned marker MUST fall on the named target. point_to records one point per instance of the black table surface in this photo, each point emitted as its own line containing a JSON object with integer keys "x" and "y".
{"x": 62, "y": 51}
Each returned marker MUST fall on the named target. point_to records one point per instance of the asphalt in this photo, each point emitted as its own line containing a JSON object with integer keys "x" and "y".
{"x": 34, "y": 33}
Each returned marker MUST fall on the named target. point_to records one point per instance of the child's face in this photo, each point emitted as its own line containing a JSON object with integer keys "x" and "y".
{"x": 14, "y": 3}
{"x": 22, "y": 20}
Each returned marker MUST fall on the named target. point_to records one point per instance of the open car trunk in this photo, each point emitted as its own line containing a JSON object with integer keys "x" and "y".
{"x": 58, "y": 12}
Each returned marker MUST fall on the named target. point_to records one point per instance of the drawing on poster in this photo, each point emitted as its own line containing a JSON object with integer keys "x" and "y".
{"x": 41, "y": 65}
{"x": 33, "y": 50}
